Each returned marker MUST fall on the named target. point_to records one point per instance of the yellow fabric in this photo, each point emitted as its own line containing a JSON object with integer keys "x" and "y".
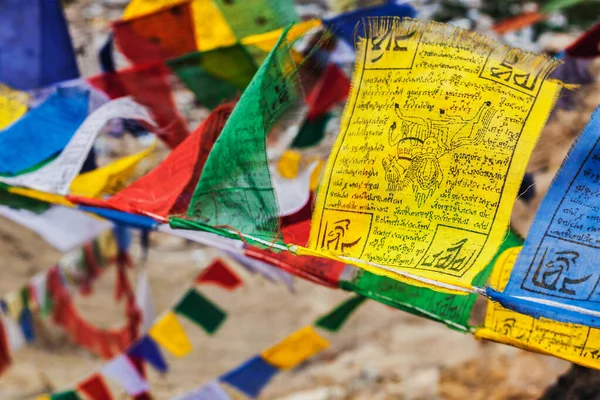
{"x": 44, "y": 397}
{"x": 43, "y": 196}
{"x": 576, "y": 343}
{"x": 108, "y": 179}
{"x": 266, "y": 41}
{"x": 169, "y": 333}
{"x": 432, "y": 149}
{"x": 212, "y": 30}
{"x": 13, "y": 104}
{"x": 138, "y": 8}
{"x": 315, "y": 176}
{"x": 289, "y": 164}
{"x": 296, "y": 348}
{"x": 14, "y": 304}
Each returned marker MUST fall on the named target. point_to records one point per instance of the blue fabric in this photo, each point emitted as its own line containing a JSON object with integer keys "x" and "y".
{"x": 559, "y": 260}
{"x": 343, "y": 25}
{"x": 107, "y": 59}
{"x": 26, "y": 324}
{"x": 35, "y": 45}
{"x": 251, "y": 377}
{"x": 120, "y": 217}
{"x": 147, "y": 349}
{"x": 43, "y": 132}
{"x": 122, "y": 236}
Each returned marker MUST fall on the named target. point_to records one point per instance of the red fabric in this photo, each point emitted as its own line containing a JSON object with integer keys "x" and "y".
{"x": 92, "y": 270}
{"x": 316, "y": 269}
{"x": 169, "y": 187}
{"x": 518, "y": 22}
{"x": 332, "y": 88}
{"x": 149, "y": 86}
{"x": 157, "y": 36}
{"x": 5, "y": 359}
{"x": 220, "y": 274}
{"x": 587, "y": 45}
{"x": 104, "y": 343}
{"x": 95, "y": 388}
{"x": 304, "y": 214}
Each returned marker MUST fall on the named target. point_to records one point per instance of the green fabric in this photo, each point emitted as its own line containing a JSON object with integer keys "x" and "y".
{"x": 234, "y": 193}
{"x": 17, "y": 201}
{"x": 311, "y": 132}
{"x": 453, "y": 310}
{"x": 251, "y": 17}
{"x": 67, "y": 395}
{"x": 217, "y": 75}
{"x": 201, "y": 311}
{"x": 555, "y": 5}
{"x": 335, "y": 319}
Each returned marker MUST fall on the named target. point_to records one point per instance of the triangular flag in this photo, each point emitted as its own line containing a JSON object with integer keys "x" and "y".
{"x": 123, "y": 371}
{"x": 336, "y": 318}
{"x": 95, "y": 388}
{"x": 250, "y": 377}
{"x": 296, "y": 348}
{"x": 66, "y": 395}
{"x": 143, "y": 299}
{"x": 210, "y": 391}
{"x": 147, "y": 349}
{"x": 169, "y": 333}
{"x": 201, "y": 311}
{"x": 220, "y": 274}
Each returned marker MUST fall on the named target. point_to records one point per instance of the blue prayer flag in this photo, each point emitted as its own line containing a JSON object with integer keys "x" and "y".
{"x": 147, "y": 349}
{"x": 120, "y": 217}
{"x": 556, "y": 275}
{"x": 250, "y": 377}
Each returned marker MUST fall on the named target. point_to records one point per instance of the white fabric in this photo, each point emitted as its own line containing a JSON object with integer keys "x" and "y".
{"x": 38, "y": 282}
{"x": 210, "y": 391}
{"x": 143, "y": 299}
{"x": 121, "y": 370}
{"x": 16, "y": 340}
{"x": 63, "y": 228}
{"x": 292, "y": 194}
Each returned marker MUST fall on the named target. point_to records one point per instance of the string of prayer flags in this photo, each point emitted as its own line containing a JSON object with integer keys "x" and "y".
{"x": 333, "y": 321}
{"x": 168, "y": 188}
{"x": 342, "y": 25}
{"x": 554, "y": 276}
{"x": 295, "y": 348}
{"x": 452, "y": 310}
{"x": 418, "y": 188}
{"x": 575, "y": 343}
{"x": 235, "y": 188}
{"x": 146, "y": 349}
{"x": 50, "y": 126}
{"x": 251, "y": 377}
{"x": 149, "y": 86}
{"x": 218, "y": 273}
{"x": 586, "y": 46}
{"x": 95, "y": 388}
{"x": 41, "y": 57}
{"x": 201, "y": 311}
{"x": 169, "y": 333}
{"x": 13, "y": 105}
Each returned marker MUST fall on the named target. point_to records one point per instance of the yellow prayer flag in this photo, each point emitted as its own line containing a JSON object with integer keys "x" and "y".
{"x": 289, "y": 164}
{"x": 576, "y": 343}
{"x": 43, "y": 397}
{"x": 42, "y": 196}
{"x": 169, "y": 333}
{"x": 266, "y": 41}
{"x": 138, "y": 8}
{"x": 13, "y": 104}
{"x": 432, "y": 149}
{"x": 14, "y": 304}
{"x": 315, "y": 176}
{"x": 296, "y": 348}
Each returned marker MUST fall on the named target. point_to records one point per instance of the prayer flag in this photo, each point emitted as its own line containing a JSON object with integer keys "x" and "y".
{"x": 296, "y": 348}
{"x": 13, "y": 105}
{"x": 220, "y": 274}
{"x": 333, "y": 87}
{"x": 209, "y": 391}
{"x": 95, "y": 388}
{"x": 555, "y": 275}
{"x": 201, "y": 311}
{"x": 66, "y": 395}
{"x": 586, "y": 46}
{"x": 146, "y": 349}
{"x": 122, "y": 370}
{"x": 421, "y": 181}
{"x": 169, "y": 333}
{"x": 519, "y": 22}
{"x": 336, "y": 318}
{"x": 144, "y": 301}
{"x": 251, "y": 377}
{"x": 311, "y": 132}
{"x": 5, "y": 358}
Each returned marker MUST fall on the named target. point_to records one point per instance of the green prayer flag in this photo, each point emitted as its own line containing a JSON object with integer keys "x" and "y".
{"x": 311, "y": 132}
{"x": 251, "y": 17}
{"x": 217, "y": 75}
{"x": 451, "y": 309}
{"x": 555, "y": 5}
{"x": 201, "y": 311}
{"x": 66, "y": 395}
{"x": 17, "y": 201}
{"x": 234, "y": 193}
{"x": 336, "y": 318}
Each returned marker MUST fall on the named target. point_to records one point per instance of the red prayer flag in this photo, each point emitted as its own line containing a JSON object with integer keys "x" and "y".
{"x": 5, "y": 359}
{"x": 518, "y": 22}
{"x": 95, "y": 388}
{"x": 157, "y": 36}
{"x": 587, "y": 45}
{"x": 220, "y": 274}
{"x": 332, "y": 88}
{"x": 169, "y": 187}
{"x": 149, "y": 86}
